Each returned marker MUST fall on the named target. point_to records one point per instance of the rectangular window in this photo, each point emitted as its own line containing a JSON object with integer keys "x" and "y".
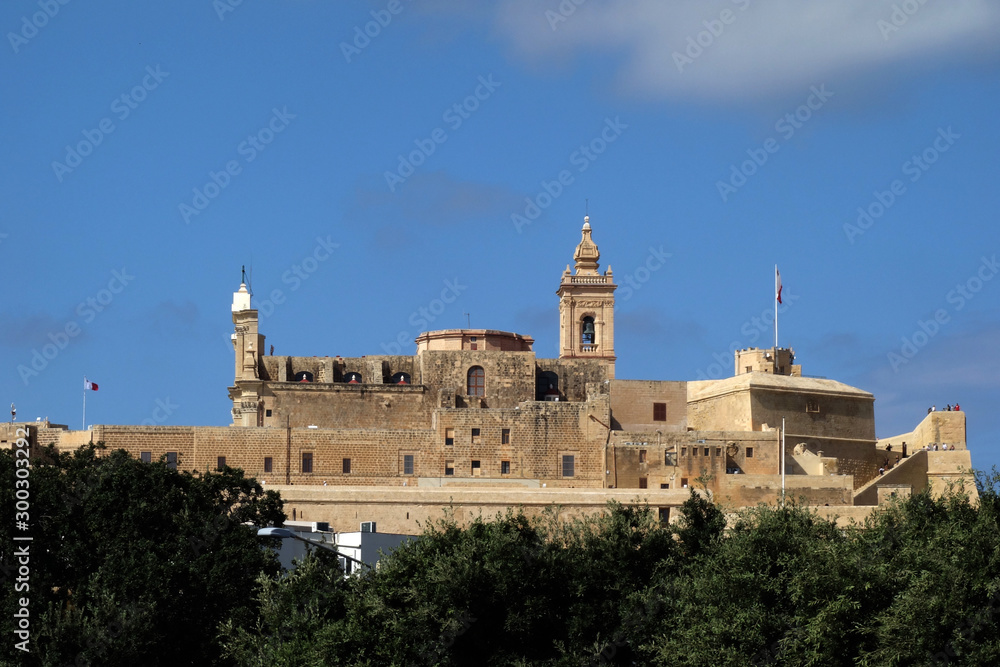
{"x": 659, "y": 412}
{"x": 347, "y": 466}
{"x": 449, "y": 437}
{"x": 706, "y": 452}
{"x": 475, "y": 436}
{"x": 643, "y": 483}
{"x": 812, "y": 406}
{"x": 307, "y": 462}
{"x": 505, "y": 467}
{"x": 718, "y": 451}
{"x": 664, "y": 515}
{"x": 407, "y": 464}
{"x": 268, "y": 463}
{"x": 568, "y": 465}
{"x": 505, "y": 436}
{"x": 642, "y": 456}
{"x": 146, "y": 457}
{"x": 449, "y": 468}
{"x": 684, "y": 451}
{"x": 172, "y": 460}
{"x": 749, "y": 452}
{"x": 220, "y": 463}
{"x": 684, "y": 482}
{"x": 694, "y": 451}
{"x": 749, "y": 369}
{"x": 476, "y": 469}
{"x": 664, "y": 486}
{"x": 267, "y": 413}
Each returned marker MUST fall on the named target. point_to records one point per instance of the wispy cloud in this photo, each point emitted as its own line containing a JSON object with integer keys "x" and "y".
{"x": 764, "y": 48}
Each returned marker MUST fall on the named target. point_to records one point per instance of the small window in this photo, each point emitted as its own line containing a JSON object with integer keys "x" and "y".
{"x": 505, "y": 436}
{"x": 477, "y": 381}
{"x": 642, "y": 456}
{"x": 146, "y": 457}
{"x": 706, "y": 452}
{"x": 505, "y": 467}
{"x": 684, "y": 482}
{"x": 684, "y": 451}
{"x": 220, "y": 463}
{"x": 664, "y": 515}
{"x": 267, "y": 413}
{"x": 812, "y": 406}
{"x": 718, "y": 451}
{"x": 643, "y": 483}
{"x": 407, "y": 464}
{"x": 568, "y": 465}
{"x": 659, "y": 412}
{"x": 268, "y": 463}
{"x": 347, "y": 466}
{"x": 694, "y": 451}
{"x": 476, "y": 436}
{"x": 664, "y": 486}
{"x": 749, "y": 369}
{"x": 749, "y": 452}
{"x": 307, "y": 462}
{"x": 449, "y": 468}
{"x": 476, "y": 469}
{"x": 449, "y": 437}
{"x": 172, "y": 460}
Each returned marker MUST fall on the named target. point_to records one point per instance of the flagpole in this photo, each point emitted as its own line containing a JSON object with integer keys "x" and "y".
{"x": 84, "y": 403}
{"x": 775, "y": 308}
{"x": 782, "y": 461}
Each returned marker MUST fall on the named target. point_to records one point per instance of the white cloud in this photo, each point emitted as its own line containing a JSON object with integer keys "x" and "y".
{"x": 769, "y": 46}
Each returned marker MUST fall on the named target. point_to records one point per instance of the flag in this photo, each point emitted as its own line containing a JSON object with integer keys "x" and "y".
{"x": 777, "y": 284}
{"x": 87, "y": 384}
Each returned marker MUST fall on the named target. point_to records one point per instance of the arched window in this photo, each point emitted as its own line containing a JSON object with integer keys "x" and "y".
{"x": 587, "y": 331}
{"x": 477, "y": 381}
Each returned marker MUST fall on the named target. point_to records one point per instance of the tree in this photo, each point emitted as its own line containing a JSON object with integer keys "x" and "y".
{"x": 131, "y": 562}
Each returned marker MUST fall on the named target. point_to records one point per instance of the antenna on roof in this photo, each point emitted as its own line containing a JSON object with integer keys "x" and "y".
{"x": 586, "y": 207}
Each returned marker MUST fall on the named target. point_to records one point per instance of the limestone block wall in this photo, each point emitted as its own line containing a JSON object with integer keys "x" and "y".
{"x": 573, "y": 376}
{"x": 729, "y": 411}
{"x": 339, "y": 405}
{"x": 632, "y": 404}
{"x": 509, "y": 376}
{"x": 748, "y": 490}
{"x": 844, "y": 416}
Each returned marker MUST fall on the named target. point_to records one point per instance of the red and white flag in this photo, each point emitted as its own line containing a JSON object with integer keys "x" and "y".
{"x": 777, "y": 284}
{"x": 87, "y": 384}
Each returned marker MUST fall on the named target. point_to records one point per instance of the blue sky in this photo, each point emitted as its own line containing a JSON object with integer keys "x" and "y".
{"x": 151, "y": 150}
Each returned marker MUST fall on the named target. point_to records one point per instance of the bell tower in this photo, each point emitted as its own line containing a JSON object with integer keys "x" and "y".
{"x": 587, "y": 306}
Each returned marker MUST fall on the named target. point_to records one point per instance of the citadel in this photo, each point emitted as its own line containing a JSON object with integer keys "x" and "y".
{"x": 475, "y": 423}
